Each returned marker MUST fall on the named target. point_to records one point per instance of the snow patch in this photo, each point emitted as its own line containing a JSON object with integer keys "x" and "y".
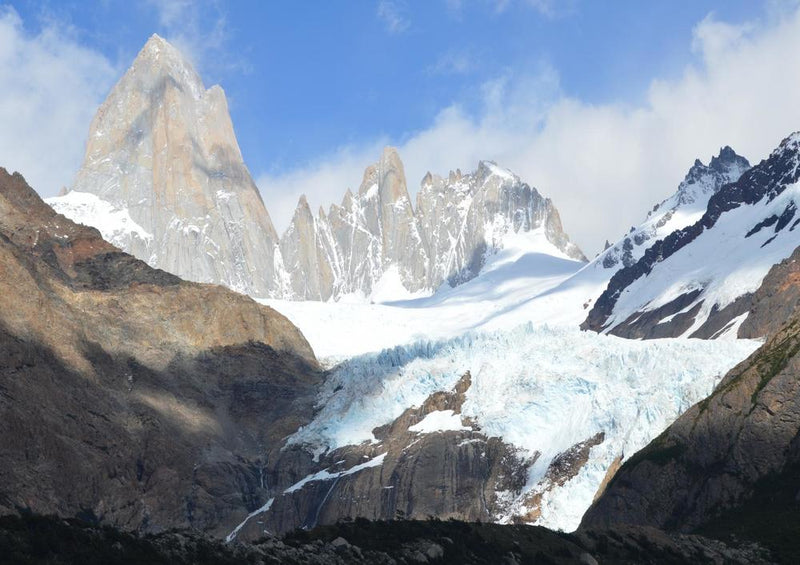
{"x": 326, "y": 475}
{"x": 721, "y": 261}
{"x": 232, "y": 536}
{"x": 114, "y": 223}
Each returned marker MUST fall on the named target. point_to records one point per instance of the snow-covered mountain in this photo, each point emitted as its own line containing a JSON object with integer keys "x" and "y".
{"x": 683, "y": 208}
{"x": 699, "y": 281}
{"x": 164, "y": 180}
{"x": 372, "y": 239}
{"x": 524, "y": 280}
{"x": 465, "y": 219}
{"x": 376, "y": 244}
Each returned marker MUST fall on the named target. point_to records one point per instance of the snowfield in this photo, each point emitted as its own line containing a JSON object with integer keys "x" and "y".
{"x": 115, "y": 224}
{"x": 527, "y": 280}
{"x": 540, "y": 388}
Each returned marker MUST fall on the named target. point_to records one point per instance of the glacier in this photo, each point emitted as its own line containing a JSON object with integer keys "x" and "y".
{"x": 541, "y": 389}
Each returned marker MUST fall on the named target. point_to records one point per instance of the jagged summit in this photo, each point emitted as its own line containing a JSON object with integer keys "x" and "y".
{"x": 699, "y": 279}
{"x": 684, "y": 207}
{"x": 159, "y": 59}
{"x": 377, "y": 244}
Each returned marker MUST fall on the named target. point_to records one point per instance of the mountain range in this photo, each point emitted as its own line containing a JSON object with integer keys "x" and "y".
{"x": 455, "y": 359}
{"x": 163, "y": 178}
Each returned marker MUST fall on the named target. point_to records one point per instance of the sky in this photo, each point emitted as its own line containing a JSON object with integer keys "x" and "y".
{"x": 602, "y": 106}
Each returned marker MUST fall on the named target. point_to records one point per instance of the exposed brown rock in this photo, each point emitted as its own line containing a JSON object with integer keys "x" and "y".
{"x": 128, "y": 395}
{"x": 448, "y": 474}
{"x": 776, "y": 300}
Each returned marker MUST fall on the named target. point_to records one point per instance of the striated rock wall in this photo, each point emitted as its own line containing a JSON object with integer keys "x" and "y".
{"x": 376, "y": 239}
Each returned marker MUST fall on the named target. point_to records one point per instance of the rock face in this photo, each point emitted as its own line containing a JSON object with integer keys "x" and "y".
{"x": 507, "y": 426}
{"x": 409, "y": 474}
{"x": 699, "y": 281}
{"x": 348, "y": 250}
{"x": 164, "y": 180}
{"x": 128, "y": 395}
{"x": 731, "y": 464}
{"x": 376, "y": 243}
{"x": 465, "y": 217}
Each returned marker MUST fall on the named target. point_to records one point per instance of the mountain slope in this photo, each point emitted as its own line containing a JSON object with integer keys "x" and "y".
{"x": 682, "y": 209}
{"x": 519, "y": 425}
{"x": 731, "y": 464}
{"x": 164, "y": 180}
{"x": 699, "y": 280}
{"x": 128, "y": 395}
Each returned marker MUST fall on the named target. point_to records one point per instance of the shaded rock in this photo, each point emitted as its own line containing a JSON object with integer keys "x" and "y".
{"x": 130, "y": 397}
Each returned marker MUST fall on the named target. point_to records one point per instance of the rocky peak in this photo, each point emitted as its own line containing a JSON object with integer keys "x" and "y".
{"x": 162, "y": 160}
{"x": 303, "y": 210}
{"x": 158, "y": 60}
{"x": 388, "y": 175}
{"x": 698, "y": 186}
{"x": 704, "y": 180}
{"x": 760, "y": 235}
{"x": 729, "y": 164}
{"x": 164, "y": 177}
{"x": 488, "y": 169}
{"x": 454, "y": 176}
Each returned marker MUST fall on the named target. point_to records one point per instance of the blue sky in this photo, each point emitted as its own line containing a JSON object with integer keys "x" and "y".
{"x": 316, "y": 87}
{"x": 305, "y": 77}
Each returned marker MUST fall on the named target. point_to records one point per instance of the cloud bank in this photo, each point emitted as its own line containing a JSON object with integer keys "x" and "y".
{"x": 604, "y": 165}
{"x": 51, "y": 89}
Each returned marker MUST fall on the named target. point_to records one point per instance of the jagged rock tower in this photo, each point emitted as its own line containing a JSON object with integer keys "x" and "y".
{"x": 162, "y": 150}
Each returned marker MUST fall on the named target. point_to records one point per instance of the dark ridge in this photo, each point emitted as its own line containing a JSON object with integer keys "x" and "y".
{"x": 117, "y": 270}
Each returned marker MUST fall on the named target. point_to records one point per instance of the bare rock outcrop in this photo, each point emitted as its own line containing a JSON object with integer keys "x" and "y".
{"x": 129, "y": 396}
{"x": 164, "y": 180}
{"x": 376, "y": 242}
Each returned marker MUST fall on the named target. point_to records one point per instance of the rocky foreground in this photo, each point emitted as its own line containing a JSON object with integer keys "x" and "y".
{"x": 39, "y": 540}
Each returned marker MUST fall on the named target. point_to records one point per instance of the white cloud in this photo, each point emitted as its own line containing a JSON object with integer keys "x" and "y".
{"x": 603, "y": 165}
{"x": 51, "y": 89}
{"x": 393, "y": 15}
{"x": 547, "y": 8}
